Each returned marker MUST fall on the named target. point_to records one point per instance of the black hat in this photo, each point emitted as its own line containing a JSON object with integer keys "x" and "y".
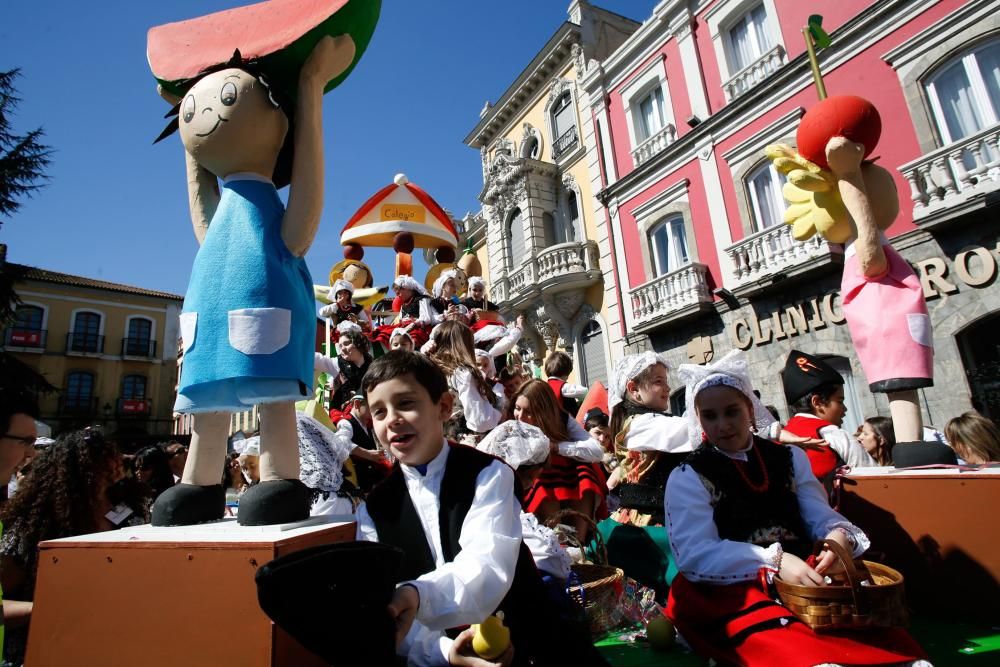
{"x": 317, "y": 596}
{"x": 805, "y": 373}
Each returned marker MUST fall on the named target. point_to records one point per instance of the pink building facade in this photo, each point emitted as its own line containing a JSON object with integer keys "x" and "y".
{"x": 697, "y": 259}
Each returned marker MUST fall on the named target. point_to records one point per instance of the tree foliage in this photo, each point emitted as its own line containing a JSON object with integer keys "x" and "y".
{"x": 23, "y": 157}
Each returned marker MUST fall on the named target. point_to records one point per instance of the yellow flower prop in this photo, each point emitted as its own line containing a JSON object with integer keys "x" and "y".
{"x": 814, "y": 203}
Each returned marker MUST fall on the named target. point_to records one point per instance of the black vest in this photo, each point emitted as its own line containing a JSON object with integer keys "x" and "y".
{"x": 344, "y": 315}
{"x": 352, "y": 382}
{"x": 412, "y": 309}
{"x": 481, "y": 304}
{"x": 745, "y": 514}
{"x": 440, "y": 305}
{"x": 528, "y": 610}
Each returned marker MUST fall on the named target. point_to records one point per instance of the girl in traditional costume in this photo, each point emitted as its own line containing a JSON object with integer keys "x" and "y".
{"x": 343, "y": 309}
{"x": 414, "y": 309}
{"x": 741, "y": 510}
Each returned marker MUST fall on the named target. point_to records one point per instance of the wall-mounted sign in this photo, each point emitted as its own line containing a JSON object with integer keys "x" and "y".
{"x": 797, "y": 319}
{"x": 975, "y": 267}
{"x": 402, "y": 212}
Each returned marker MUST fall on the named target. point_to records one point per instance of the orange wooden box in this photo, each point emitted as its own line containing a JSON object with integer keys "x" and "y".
{"x": 167, "y": 596}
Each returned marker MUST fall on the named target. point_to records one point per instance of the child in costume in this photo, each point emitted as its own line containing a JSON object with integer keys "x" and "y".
{"x": 487, "y": 366}
{"x": 558, "y": 366}
{"x": 740, "y": 506}
{"x": 454, "y": 512}
{"x": 815, "y": 392}
{"x": 444, "y": 302}
{"x": 348, "y": 367}
{"x": 400, "y": 339}
{"x": 476, "y": 408}
{"x": 342, "y": 309}
{"x": 414, "y": 312}
{"x": 573, "y": 479}
{"x": 248, "y": 319}
{"x": 322, "y": 453}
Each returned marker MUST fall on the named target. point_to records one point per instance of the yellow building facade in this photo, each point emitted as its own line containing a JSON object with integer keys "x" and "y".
{"x": 535, "y": 235}
{"x": 110, "y": 349}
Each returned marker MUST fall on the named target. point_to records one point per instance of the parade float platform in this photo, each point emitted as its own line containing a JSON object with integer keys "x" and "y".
{"x": 937, "y": 526}
{"x": 160, "y": 596}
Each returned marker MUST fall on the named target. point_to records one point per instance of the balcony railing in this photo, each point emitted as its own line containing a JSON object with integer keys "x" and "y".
{"x": 557, "y": 268}
{"x": 563, "y": 260}
{"x": 670, "y": 293}
{"x": 139, "y": 408}
{"x": 84, "y": 343}
{"x": 138, "y": 347}
{"x": 774, "y": 251}
{"x": 754, "y": 73}
{"x": 79, "y": 406}
{"x": 654, "y": 144}
{"x": 566, "y": 141}
{"x": 20, "y": 337}
{"x": 952, "y": 175}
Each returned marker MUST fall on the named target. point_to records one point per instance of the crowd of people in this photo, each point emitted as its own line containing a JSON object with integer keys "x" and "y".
{"x": 490, "y": 479}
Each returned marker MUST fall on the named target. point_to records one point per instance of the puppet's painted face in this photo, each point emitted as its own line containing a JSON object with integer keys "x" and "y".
{"x": 358, "y": 275}
{"x": 229, "y": 124}
{"x": 461, "y": 281}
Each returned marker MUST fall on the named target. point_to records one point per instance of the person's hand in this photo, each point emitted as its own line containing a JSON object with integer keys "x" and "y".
{"x": 828, "y": 563}
{"x": 403, "y": 609}
{"x": 462, "y": 655}
{"x": 329, "y": 58}
{"x": 794, "y": 570}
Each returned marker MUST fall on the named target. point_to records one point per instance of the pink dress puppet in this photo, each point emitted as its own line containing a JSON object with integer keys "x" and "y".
{"x": 835, "y": 191}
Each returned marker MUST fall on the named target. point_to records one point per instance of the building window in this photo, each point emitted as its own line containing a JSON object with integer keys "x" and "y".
{"x": 764, "y": 185}
{"x": 749, "y": 39}
{"x": 28, "y": 328}
{"x": 557, "y": 230}
{"x": 86, "y": 335}
{"x": 29, "y": 318}
{"x": 668, "y": 245}
{"x": 515, "y": 232}
{"x": 564, "y": 134}
{"x": 965, "y": 93}
{"x": 594, "y": 368}
{"x": 650, "y": 115}
{"x": 134, "y": 387}
{"x": 79, "y": 390}
{"x": 138, "y": 342}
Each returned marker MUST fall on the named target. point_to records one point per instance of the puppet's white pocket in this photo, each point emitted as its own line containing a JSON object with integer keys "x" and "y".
{"x": 920, "y": 328}
{"x": 189, "y": 325}
{"x": 260, "y": 330}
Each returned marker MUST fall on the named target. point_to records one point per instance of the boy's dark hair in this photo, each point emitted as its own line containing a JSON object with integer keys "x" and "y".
{"x": 397, "y": 363}
{"x": 595, "y": 417}
{"x": 358, "y": 340}
{"x": 16, "y": 402}
{"x": 558, "y": 365}
{"x": 823, "y": 392}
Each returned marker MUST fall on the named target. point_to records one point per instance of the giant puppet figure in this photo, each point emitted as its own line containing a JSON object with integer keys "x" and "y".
{"x": 249, "y": 84}
{"x": 835, "y": 191}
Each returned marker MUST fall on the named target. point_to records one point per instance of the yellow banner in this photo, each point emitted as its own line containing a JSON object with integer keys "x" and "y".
{"x": 404, "y": 212}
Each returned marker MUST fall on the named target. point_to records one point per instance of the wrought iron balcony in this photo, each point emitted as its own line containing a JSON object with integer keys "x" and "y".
{"x": 84, "y": 343}
{"x": 27, "y": 338}
{"x": 78, "y": 406}
{"x": 566, "y": 142}
{"x": 139, "y": 347}
{"x": 754, "y": 73}
{"x": 954, "y": 177}
{"x": 669, "y": 296}
{"x": 654, "y": 144}
{"x": 773, "y": 251}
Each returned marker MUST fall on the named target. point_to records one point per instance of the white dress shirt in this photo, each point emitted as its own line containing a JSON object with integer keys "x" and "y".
{"x": 468, "y": 589}
{"x": 701, "y": 555}
{"x": 580, "y": 446}
{"x": 480, "y": 415}
{"x": 657, "y": 432}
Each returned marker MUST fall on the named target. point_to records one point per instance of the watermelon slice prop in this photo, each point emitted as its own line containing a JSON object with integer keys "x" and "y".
{"x": 279, "y": 34}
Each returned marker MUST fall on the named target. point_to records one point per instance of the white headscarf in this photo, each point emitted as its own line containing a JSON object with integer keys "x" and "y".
{"x": 401, "y": 331}
{"x": 476, "y": 280}
{"x": 442, "y": 279}
{"x": 730, "y": 371}
{"x": 483, "y": 354}
{"x": 322, "y": 453}
{"x": 348, "y": 326}
{"x": 517, "y": 443}
{"x": 339, "y": 286}
{"x": 626, "y": 369}
{"x": 408, "y": 282}
{"x": 248, "y": 447}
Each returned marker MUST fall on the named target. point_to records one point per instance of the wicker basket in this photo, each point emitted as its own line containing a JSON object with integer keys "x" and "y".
{"x": 846, "y": 603}
{"x": 598, "y": 590}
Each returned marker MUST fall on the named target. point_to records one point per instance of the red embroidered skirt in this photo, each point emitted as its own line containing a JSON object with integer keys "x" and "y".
{"x": 419, "y": 334}
{"x": 566, "y": 479}
{"x": 740, "y": 624}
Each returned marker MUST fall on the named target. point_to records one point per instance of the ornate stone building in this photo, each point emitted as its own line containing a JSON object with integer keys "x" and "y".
{"x": 535, "y": 233}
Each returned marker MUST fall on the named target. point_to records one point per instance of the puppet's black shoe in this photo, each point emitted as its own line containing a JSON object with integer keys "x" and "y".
{"x": 187, "y": 504}
{"x": 275, "y": 501}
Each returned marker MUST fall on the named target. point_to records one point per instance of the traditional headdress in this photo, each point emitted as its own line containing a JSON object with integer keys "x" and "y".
{"x": 408, "y": 282}
{"x": 339, "y": 286}
{"x": 730, "y": 371}
{"x": 321, "y": 454}
{"x": 249, "y": 446}
{"x": 483, "y": 354}
{"x": 348, "y": 327}
{"x": 804, "y": 373}
{"x": 476, "y": 280}
{"x": 626, "y": 369}
{"x": 401, "y": 331}
{"x": 517, "y": 443}
{"x": 442, "y": 279}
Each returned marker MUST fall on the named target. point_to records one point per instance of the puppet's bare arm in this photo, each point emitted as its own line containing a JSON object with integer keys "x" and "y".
{"x": 305, "y": 198}
{"x": 844, "y": 157}
{"x": 203, "y": 188}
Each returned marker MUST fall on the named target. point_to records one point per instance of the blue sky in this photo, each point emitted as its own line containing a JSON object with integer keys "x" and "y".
{"x": 116, "y": 207}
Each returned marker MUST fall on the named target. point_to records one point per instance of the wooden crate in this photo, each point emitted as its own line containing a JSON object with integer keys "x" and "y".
{"x": 167, "y": 596}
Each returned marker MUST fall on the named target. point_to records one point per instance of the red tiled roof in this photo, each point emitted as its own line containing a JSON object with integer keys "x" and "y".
{"x": 44, "y": 275}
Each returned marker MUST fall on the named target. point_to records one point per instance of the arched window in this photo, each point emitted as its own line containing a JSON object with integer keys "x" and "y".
{"x": 28, "y": 329}
{"x": 564, "y": 134}
{"x": 86, "y": 335}
{"x": 763, "y": 186}
{"x": 593, "y": 366}
{"x": 515, "y": 232}
{"x": 668, "y": 245}
{"x": 29, "y": 318}
{"x": 133, "y": 387}
{"x": 79, "y": 392}
{"x": 139, "y": 341}
{"x": 964, "y": 93}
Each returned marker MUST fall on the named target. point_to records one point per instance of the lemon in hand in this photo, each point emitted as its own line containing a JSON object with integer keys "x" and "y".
{"x": 491, "y": 639}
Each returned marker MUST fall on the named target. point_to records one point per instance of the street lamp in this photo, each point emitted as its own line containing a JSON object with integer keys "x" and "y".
{"x": 107, "y": 412}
